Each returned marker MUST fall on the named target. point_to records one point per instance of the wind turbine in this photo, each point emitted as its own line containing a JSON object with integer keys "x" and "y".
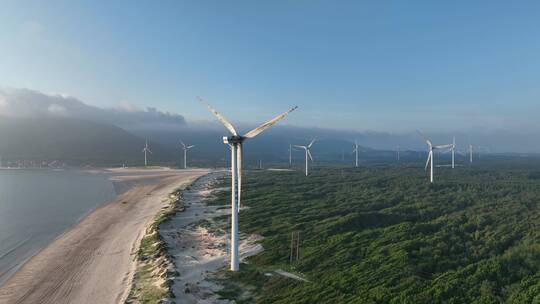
{"x": 429, "y": 161}
{"x": 398, "y": 156}
{"x": 453, "y": 152}
{"x": 235, "y": 143}
{"x": 290, "y": 155}
{"x": 356, "y": 152}
{"x": 145, "y": 150}
{"x": 185, "y": 148}
{"x": 308, "y": 154}
{"x": 470, "y": 153}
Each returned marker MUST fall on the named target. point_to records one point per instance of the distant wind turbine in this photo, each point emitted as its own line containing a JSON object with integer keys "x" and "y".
{"x": 185, "y": 148}
{"x": 398, "y": 156}
{"x": 430, "y": 153}
{"x": 356, "y": 152}
{"x": 470, "y": 153}
{"x": 453, "y": 152}
{"x": 146, "y": 150}
{"x": 290, "y": 155}
{"x": 235, "y": 143}
{"x": 308, "y": 153}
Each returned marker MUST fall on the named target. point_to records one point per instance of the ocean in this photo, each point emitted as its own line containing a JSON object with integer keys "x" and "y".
{"x": 38, "y": 205}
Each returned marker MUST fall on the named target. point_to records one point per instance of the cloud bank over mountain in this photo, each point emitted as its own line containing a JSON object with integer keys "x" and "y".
{"x": 167, "y": 128}
{"x": 27, "y": 103}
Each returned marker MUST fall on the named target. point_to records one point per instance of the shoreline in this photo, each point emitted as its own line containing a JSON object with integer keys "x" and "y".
{"x": 29, "y": 254}
{"x": 91, "y": 262}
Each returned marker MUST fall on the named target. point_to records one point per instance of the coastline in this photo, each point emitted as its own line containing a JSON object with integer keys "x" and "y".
{"x": 92, "y": 262}
{"x": 37, "y": 240}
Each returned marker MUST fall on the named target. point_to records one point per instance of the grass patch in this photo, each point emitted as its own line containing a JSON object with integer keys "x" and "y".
{"x": 148, "y": 286}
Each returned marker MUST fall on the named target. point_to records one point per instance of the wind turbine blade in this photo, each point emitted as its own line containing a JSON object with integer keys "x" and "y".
{"x": 149, "y": 151}
{"x": 444, "y": 146}
{"x": 428, "y": 159}
{"x": 220, "y": 117}
{"x": 239, "y": 175}
{"x": 300, "y": 147}
{"x": 312, "y": 142}
{"x": 183, "y": 145}
{"x": 309, "y": 154}
{"x": 189, "y": 147}
{"x": 268, "y": 124}
{"x": 424, "y": 137}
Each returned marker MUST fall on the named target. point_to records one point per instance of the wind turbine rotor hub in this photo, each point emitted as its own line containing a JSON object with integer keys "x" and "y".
{"x": 233, "y": 140}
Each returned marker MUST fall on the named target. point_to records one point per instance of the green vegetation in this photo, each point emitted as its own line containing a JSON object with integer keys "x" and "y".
{"x": 149, "y": 285}
{"x": 383, "y": 234}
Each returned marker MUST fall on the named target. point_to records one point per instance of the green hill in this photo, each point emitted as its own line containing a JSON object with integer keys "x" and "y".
{"x": 74, "y": 141}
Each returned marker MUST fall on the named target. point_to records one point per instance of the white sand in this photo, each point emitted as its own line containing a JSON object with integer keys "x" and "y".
{"x": 198, "y": 253}
{"x": 93, "y": 262}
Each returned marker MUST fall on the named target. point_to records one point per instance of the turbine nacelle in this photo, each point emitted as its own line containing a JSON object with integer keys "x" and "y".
{"x": 233, "y": 140}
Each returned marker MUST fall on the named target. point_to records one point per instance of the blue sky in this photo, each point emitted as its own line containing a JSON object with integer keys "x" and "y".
{"x": 379, "y": 65}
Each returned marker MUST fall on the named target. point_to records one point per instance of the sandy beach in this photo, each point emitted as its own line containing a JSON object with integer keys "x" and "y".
{"x": 93, "y": 262}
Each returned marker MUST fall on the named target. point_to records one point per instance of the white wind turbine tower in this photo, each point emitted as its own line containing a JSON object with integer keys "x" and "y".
{"x": 146, "y": 150}
{"x": 429, "y": 161}
{"x": 185, "y": 148}
{"x": 290, "y": 155}
{"x": 356, "y": 152}
{"x": 235, "y": 143}
{"x": 453, "y": 151}
{"x": 308, "y": 153}
{"x": 398, "y": 156}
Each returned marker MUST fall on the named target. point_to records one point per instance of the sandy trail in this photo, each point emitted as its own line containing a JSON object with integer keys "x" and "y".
{"x": 93, "y": 262}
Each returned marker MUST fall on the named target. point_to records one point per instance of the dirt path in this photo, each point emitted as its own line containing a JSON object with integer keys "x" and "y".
{"x": 93, "y": 261}
{"x": 290, "y": 275}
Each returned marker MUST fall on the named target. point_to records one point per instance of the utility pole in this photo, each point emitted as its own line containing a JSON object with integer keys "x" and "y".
{"x": 295, "y": 246}
{"x": 298, "y": 246}
{"x": 292, "y": 247}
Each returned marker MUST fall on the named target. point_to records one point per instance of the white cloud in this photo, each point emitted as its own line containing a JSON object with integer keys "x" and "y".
{"x": 55, "y": 94}
{"x": 128, "y": 107}
{"x": 29, "y": 103}
{"x": 56, "y": 109}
